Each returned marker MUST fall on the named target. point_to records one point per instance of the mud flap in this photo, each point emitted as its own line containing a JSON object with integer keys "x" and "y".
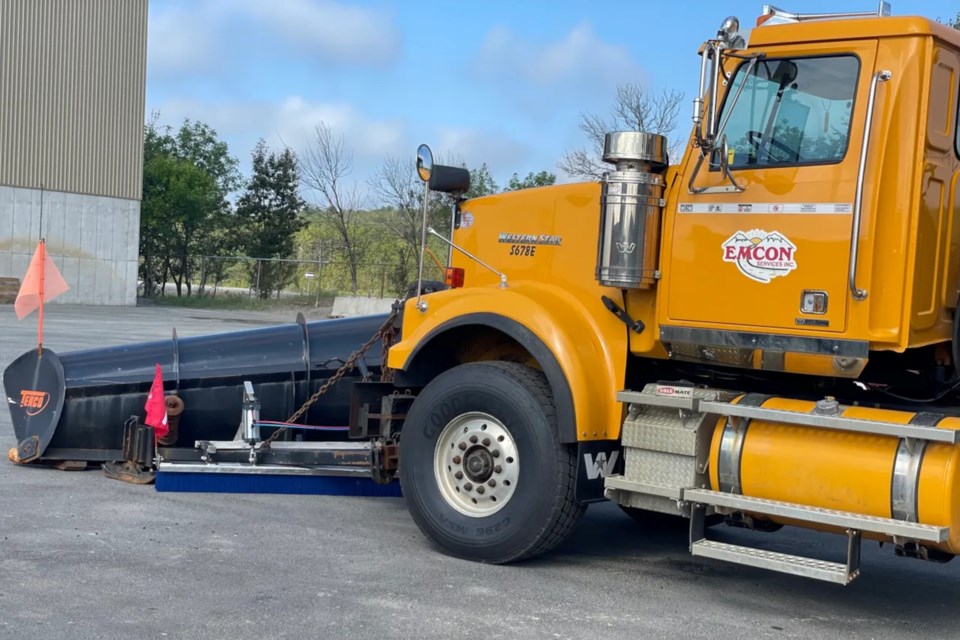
{"x": 596, "y": 459}
{"x": 34, "y": 386}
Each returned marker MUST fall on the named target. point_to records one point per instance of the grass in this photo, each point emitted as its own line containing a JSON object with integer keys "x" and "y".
{"x": 241, "y": 301}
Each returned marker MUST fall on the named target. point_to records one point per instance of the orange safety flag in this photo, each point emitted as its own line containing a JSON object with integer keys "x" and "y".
{"x": 42, "y": 282}
{"x": 156, "y": 407}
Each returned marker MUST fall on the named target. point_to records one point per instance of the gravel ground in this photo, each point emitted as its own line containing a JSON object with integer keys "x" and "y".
{"x": 82, "y": 556}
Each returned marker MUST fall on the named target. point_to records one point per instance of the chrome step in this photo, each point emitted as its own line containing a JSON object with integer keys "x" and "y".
{"x": 836, "y": 572}
{"x": 619, "y": 483}
{"x": 841, "y": 519}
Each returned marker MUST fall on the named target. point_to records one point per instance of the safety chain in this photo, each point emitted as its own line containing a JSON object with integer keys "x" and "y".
{"x": 387, "y": 333}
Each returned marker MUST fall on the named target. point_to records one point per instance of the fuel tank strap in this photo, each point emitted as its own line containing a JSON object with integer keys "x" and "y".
{"x": 906, "y": 470}
{"x": 731, "y": 445}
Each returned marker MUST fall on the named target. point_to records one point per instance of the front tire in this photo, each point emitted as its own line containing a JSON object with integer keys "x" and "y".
{"x": 483, "y": 471}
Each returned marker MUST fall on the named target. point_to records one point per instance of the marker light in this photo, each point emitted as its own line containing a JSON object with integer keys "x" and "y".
{"x": 454, "y": 277}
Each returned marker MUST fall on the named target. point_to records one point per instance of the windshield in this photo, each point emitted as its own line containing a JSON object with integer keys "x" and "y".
{"x": 791, "y": 111}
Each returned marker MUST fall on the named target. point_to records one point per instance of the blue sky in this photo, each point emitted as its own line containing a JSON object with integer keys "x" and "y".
{"x": 496, "y": 82}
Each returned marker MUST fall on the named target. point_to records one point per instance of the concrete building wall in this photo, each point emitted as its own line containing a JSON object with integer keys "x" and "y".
{"x": 72, "y": 91}
{"x": 93, "y": 240}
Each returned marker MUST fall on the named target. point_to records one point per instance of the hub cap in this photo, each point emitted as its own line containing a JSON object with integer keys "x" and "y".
{"x": 476, "y": 464}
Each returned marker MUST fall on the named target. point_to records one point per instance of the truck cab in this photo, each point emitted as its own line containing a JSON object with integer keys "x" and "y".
{"x": 762, "y": 330}
{"x": 828, "y": 230}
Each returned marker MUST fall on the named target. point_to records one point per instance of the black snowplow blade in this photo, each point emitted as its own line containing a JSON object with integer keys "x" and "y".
{"x": 73, "y": 406}
{"x": 35, "y": 384}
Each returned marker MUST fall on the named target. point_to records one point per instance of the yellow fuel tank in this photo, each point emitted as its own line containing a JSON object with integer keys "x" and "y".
{"x": 868, "y": 474}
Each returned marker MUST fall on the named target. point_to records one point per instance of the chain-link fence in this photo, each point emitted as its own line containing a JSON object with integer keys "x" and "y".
{"x": 318, "y": 281}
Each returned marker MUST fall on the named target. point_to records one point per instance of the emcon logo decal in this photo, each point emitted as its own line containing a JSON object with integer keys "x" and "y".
{"x": 760, "y": 255}
{"x": 34, "y": 401}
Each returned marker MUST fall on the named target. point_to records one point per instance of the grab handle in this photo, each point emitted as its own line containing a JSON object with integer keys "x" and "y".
{"x": 861, "y": 294}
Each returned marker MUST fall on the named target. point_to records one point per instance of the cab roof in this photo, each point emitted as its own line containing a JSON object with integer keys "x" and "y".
{"x": 852, "y": 29}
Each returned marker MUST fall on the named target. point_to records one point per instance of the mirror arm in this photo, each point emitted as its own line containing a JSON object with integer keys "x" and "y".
{"x": 707, "y": 149}
{"x": 422, "y": 305}
{"x": 725, "y": 165}
{"x": 500, "y": 274}
{"x": 736, "y": 96}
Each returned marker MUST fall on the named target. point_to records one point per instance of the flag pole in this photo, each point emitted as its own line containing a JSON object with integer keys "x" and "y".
{"x": 43, "y": 260}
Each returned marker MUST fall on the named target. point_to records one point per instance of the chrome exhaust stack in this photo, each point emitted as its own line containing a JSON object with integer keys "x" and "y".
{"x": 631, "y": 205}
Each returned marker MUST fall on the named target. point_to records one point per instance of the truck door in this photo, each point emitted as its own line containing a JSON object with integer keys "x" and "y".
{"x": 775, "y": 256}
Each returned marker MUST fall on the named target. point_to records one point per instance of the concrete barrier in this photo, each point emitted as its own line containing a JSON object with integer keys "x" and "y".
{"x": 9, "y": 288}
{"x": 350, "y": 306}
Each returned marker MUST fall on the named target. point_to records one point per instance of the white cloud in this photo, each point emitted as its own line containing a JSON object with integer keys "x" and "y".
{"x": 329, "y": 30}
{"x": 180, "y": 41}
{"x": 190, "y": 39}
{"x": 292, "y": 122}
{"x": 579, "y": 60}
{"x": 499, "y": 151}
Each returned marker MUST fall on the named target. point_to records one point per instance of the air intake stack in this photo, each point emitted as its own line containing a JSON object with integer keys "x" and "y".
{"x": 631, "y": 204}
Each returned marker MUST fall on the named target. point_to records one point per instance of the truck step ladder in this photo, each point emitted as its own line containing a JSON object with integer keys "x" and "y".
{"x": 671, "y": 426}
{"x": 824, "y": 570}
{"x": 837, "y": 572}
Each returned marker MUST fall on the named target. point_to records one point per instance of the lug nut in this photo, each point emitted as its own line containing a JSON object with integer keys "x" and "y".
{"x": 497, "y": 469}
{"x": 495, "y": 453}
{"x": 480, "y": 489}
{"x": 473, "y": 439}
{"x": 456, "y": 459}
{"x": 458, "y": 475}
{"x": 486, "y": 442}
{"x": 468, "y": 487}
{"x": 462, "y": 446}
{"x": 491, "y": 483}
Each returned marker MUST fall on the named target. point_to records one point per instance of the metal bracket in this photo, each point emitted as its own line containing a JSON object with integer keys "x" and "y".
{"x": 251, "y": 415}
{"x": 503, "y": 276}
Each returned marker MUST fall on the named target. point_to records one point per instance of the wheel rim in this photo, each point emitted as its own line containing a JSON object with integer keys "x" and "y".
{"x": 476, "y": 464}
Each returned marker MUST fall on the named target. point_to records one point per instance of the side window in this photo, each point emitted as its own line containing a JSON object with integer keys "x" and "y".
{"x": 791, "y": 111}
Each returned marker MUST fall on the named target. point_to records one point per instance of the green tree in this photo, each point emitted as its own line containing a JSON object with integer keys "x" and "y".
{"x": 181, "y": 196}
{"x": 269, "y": 214}
{"x": 481, "y": 182}
{"x": 400, "y": 190}
{"x": 185, "y": 212}
{"x": 541, "y": 179}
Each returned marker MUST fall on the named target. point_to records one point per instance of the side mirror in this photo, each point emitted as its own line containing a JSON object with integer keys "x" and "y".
{"x": 453, "y": 180}
{"x": 424, "y": 162}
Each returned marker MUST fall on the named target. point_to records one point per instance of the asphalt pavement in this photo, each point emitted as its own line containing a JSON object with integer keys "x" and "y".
{"x": 82, "y": 556}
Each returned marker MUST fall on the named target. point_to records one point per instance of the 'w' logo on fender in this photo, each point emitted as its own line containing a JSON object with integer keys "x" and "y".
{"x": 600, "y": 466}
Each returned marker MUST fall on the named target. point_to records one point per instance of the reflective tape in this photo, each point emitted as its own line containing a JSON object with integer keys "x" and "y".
{"x": 766, "y": 207}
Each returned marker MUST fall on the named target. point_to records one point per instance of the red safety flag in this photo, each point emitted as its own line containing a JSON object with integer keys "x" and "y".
{"x": 156, "y": 407}
{"x": 41, "y": 282}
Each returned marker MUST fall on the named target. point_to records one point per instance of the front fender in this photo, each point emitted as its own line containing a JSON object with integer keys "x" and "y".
{"x": 587, "y": 344}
